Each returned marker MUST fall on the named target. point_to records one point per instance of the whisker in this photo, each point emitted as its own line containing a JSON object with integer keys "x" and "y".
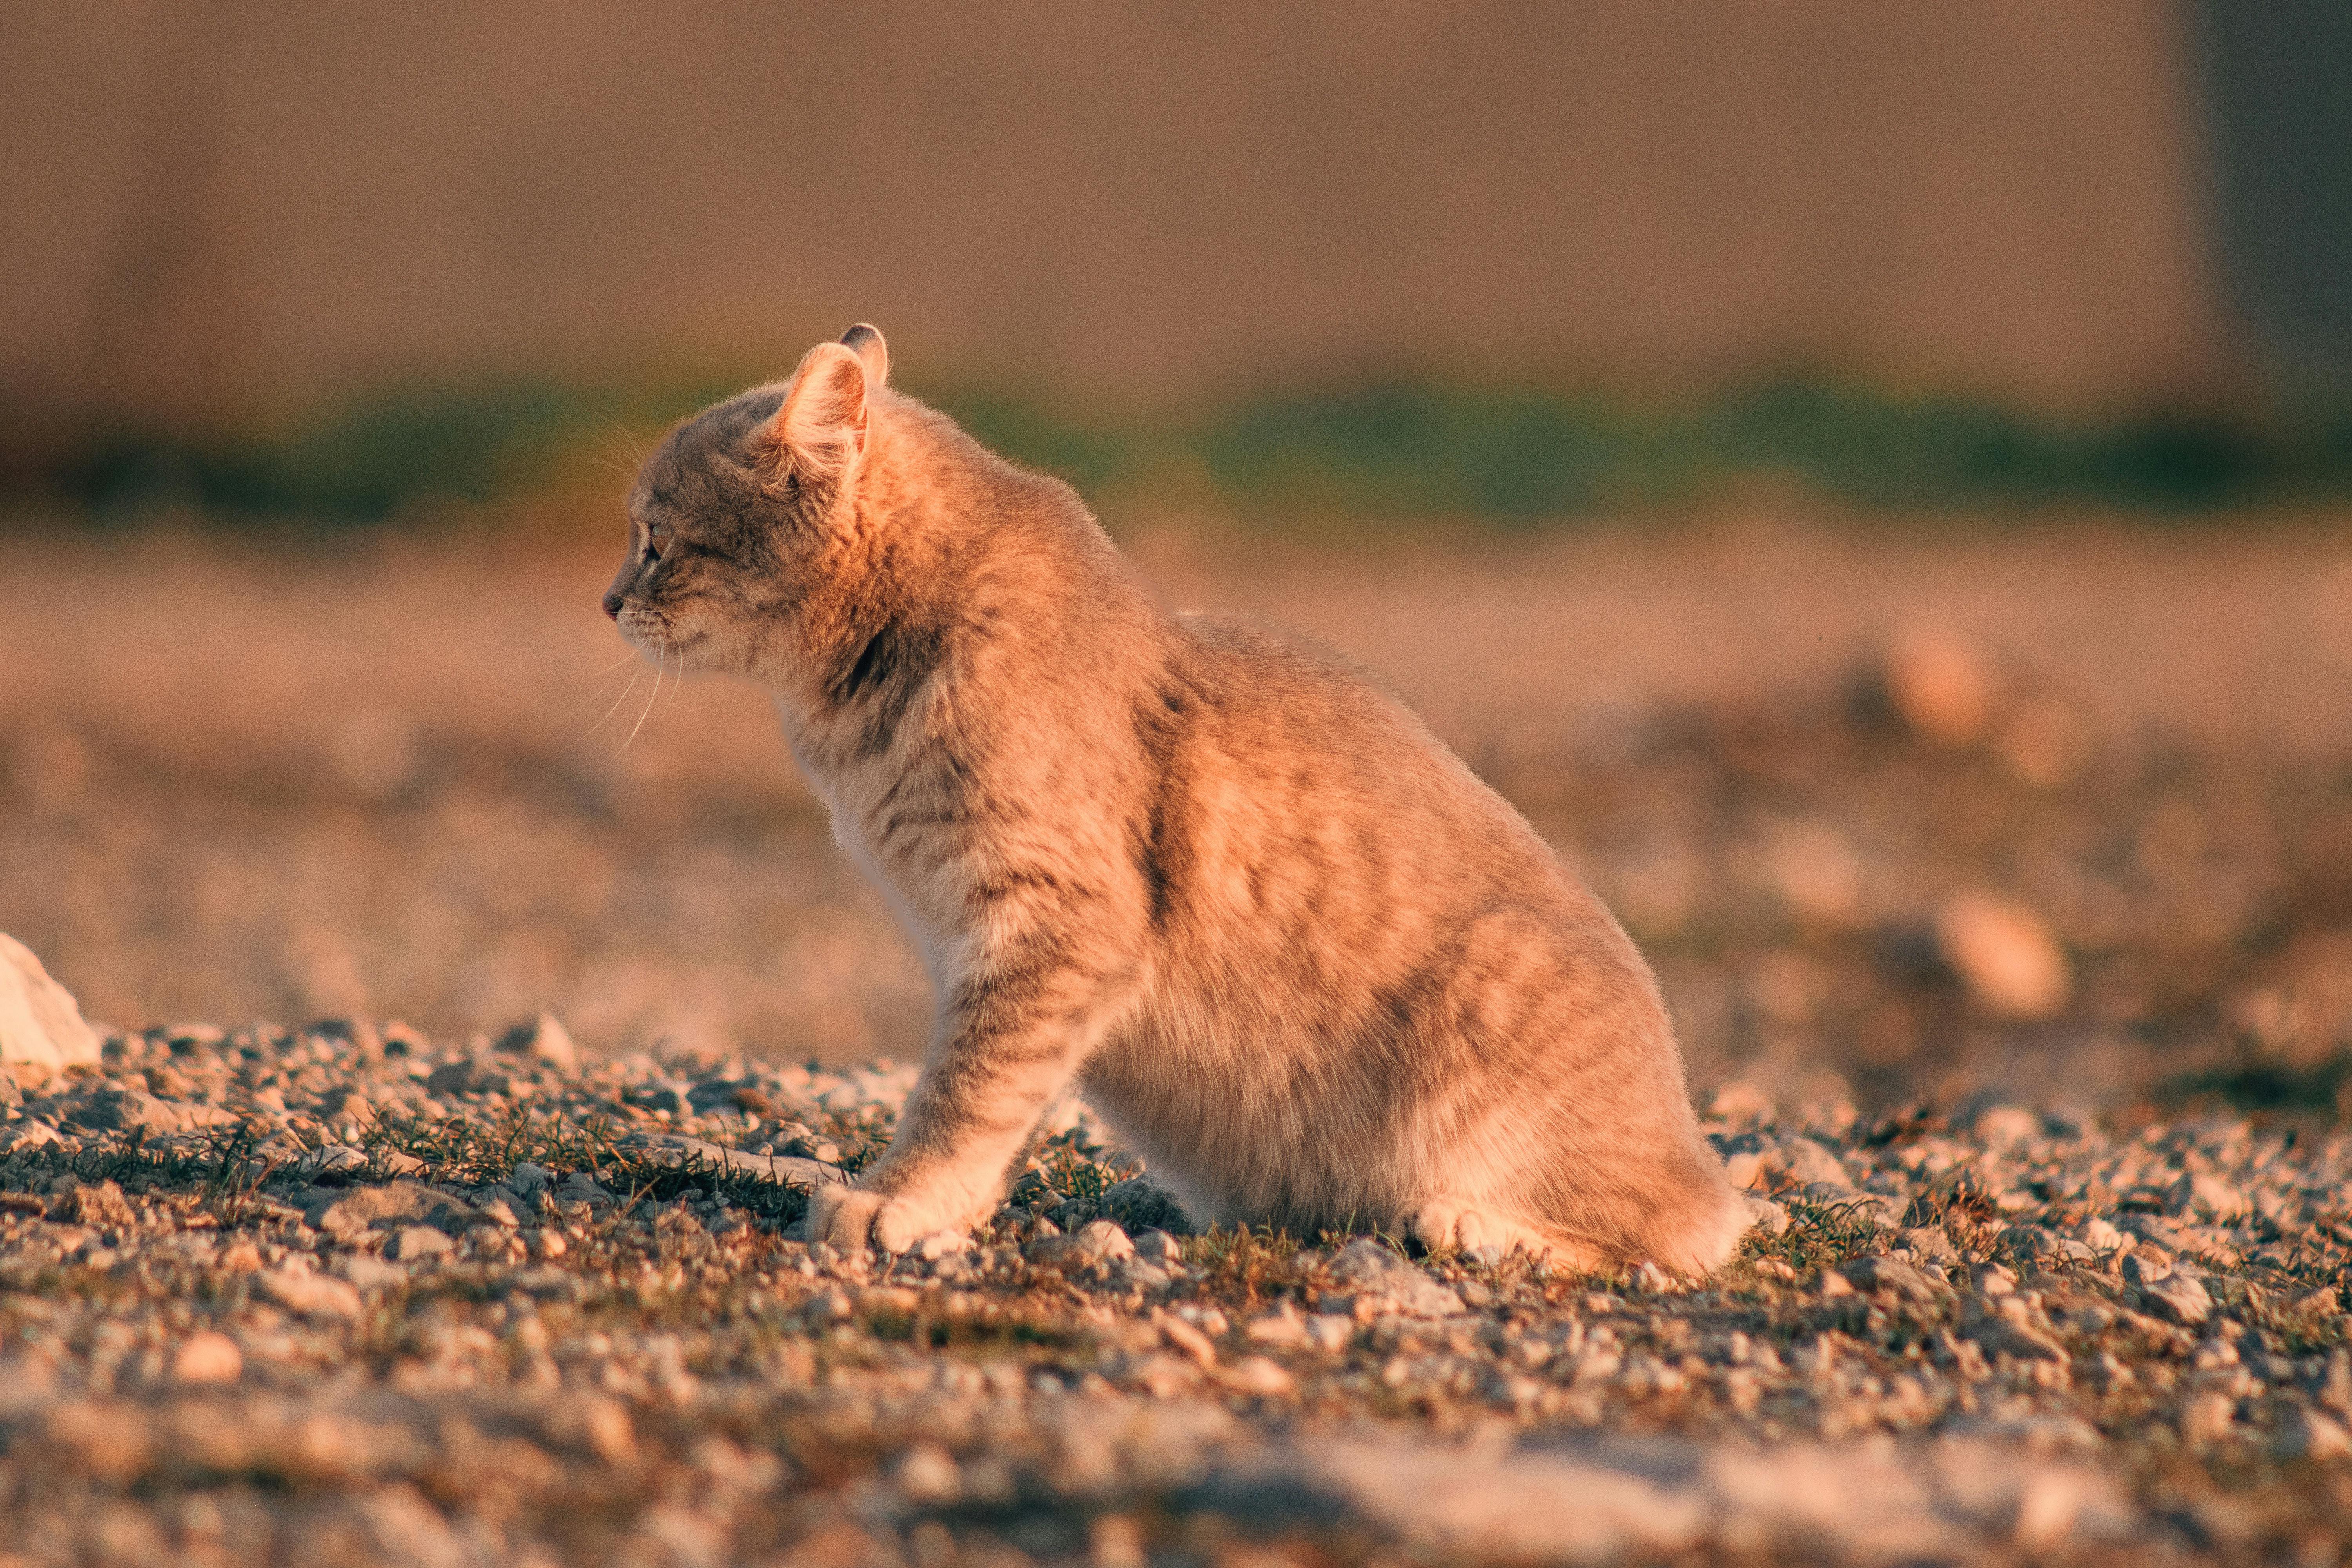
{"x": 615, "y": 708}
{"x": 650, "y": 696}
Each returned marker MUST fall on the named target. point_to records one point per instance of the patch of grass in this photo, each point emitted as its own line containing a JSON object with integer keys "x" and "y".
{"x": 1401, "y": 451}
{"x": 1818, "y": 1236}
{"x": 2317, "y": 1089}
{"x": 1247, "y": 1261}
{"x": 456, "y": 1150}
{"x": 476, "y": 1153}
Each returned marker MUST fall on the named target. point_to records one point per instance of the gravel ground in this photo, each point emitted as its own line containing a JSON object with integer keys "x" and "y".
{"x": 346, "y": 1294}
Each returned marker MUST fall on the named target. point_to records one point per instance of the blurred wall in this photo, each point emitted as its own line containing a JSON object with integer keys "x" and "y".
{"x": 219, "y": 209}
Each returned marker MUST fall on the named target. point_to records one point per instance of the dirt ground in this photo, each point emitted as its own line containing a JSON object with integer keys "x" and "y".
{"x": 1839, "y": 778}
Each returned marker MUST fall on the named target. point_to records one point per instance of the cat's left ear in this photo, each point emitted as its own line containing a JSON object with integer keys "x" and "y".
{"x": 865, "y": 341}
{"x": 820, "y": 432}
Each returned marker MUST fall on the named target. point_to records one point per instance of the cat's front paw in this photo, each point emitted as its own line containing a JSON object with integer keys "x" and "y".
{"x": 842, "y": 1217}
{"x": 854, "y": 1218}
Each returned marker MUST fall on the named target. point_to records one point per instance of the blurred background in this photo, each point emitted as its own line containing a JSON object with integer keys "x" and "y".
{"x": 1871, "y": 482}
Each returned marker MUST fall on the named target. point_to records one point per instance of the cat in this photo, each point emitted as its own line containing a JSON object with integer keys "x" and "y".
{"x": 1204, "y": 870}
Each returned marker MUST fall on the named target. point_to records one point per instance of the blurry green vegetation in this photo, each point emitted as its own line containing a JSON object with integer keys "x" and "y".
{"x": 1396, "y": 451}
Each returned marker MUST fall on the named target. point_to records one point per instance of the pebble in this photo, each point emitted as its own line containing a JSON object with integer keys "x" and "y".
{"x": 207, "y": 1356}
{"x": 42, "y": 1031}
{"x": 1942, "y": 685}
{"x": 2005, "y": 952}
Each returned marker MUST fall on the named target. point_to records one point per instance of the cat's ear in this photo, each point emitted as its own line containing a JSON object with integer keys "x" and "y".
{"x": 865, "y": 341}
{"x": 820, "y": 432}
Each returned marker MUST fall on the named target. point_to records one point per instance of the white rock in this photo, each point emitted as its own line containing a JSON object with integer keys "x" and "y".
{"x": 208, "y": 1357}
{"x": 543, "y": 1039}
{"x": 1942, "y": 685}
{"x": 1330, "y": 1332}
{"x": 2180, "y": 1298}
{"x": 2006, "y": 1126}
{"x": 928, "y": 1474}
{"x": 1376, "y": 1271}
{"x": 411, "y": 1242}
{"x": 1100, "y": 1241}
{"x": 41, "y": 1026}
{"x": 2005, "y": 953}
{"x": 306, "y": 1294}
{"x": 1160, "y": 1249}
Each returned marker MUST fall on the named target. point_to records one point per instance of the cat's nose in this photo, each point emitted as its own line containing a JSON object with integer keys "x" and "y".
{"x": 612, "y": 605}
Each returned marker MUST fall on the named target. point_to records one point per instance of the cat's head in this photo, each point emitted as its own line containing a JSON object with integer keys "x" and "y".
{"x": 738, "y": 521}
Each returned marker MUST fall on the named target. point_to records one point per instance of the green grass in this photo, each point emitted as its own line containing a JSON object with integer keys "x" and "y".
{"x": 1403, "y": 450}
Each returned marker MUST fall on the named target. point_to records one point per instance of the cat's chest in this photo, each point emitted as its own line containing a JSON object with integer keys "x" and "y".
{"x": 899, "y": 829}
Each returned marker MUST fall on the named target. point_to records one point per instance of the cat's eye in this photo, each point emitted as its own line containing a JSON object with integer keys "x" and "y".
{"x": 656, "y": 540}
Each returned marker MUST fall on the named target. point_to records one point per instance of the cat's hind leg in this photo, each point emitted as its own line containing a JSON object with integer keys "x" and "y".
{"x": 1447, "y": 1223}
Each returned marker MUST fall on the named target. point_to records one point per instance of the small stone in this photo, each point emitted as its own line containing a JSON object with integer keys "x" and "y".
{"x": 2207, "y": 1419}
{"x": 412, "y": 1242}
{"x": 357, "y": 1209}
{"x": 1741, "y": 1101}
{"x": 1930, "y": 1244}
{"x": 1138, "y": 1203}
{"x": 527, "y": 1178}
{"x": 2005, "y": 953}
{"x": 471, "y": 1074}
{"x": 1160, "y": 1249}
{"x": 2009, "y": 1337}
{"x": 1100, "y": 1241}
{"x": 30, "y": 1134}
{"x": 41, "y": 1029}
{"x": 2045, "y": 744}
{"x": 597, "y": 1425}
{"x": 1941, "y": 684}
{"x": 2178, "y": 1297}
{"x": 1877, "y": 1273}
{"x": 2005, "y": 1127}
{"x": 2324, "y": 1303}
{"x": 1375, "y": 1270}
{"x": 100, "y": 1205}
{"x": 1256, "y": 1374}
{"x": 1767, "y": 1216}
{"x": 2101, "y": 1236}
{"x": 1806, "y": 1161}
{"x": 1330, "y": 1332}
{"x": 207, "y": 1357}
{"x": 1835, "y": 1284}
{"x": 2307, "y": 1434}
{"x": 1992, "y": 1280}
{"x": 928, "y": 1473}
{"x": 339, "y": 1160}
{"x": 309, "y": 1294}
{"x": 1281, "y": 1330}
{"x": 499, "y": 1212}
{"x": 543, "y": 1039}
{"x": 581, "y": 1187}
{"x": 1188, "y": 1338}
{"x": 345, "y": 1105}
{"x": 2204, "y": 1195}
{"x": 548, "y": 1244}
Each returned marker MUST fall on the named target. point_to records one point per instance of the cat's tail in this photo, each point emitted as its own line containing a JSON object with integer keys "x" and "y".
{"x": 1695, "y": 1227}
{"x": 1686, "y": 1219}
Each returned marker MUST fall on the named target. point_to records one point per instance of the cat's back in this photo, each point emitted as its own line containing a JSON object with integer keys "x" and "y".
{"x": 1285, "y": 752}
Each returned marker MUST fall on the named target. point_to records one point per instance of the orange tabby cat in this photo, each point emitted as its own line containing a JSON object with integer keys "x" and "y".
{"x": 1307, "y": 964}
